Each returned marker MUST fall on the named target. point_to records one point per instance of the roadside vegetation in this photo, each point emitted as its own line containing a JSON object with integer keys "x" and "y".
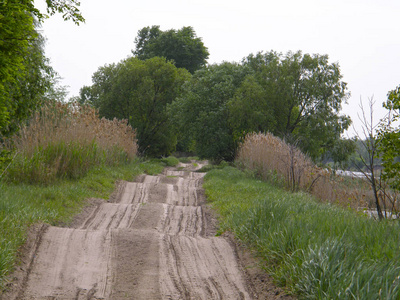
{"x": 64, "y": 141}
{"x": 62, "y": 156}
{"x": 276, "y": 116}
{"x": 316, "y": 250}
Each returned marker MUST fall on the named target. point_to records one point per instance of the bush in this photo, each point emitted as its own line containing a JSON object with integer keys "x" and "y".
{"x": 170, "y": 161}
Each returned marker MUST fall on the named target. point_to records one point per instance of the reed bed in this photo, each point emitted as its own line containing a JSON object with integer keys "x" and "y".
{"x": 66, "y": 141}
{"x": 274, "y": 160}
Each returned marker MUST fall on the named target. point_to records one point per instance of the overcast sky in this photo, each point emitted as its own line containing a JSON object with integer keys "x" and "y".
{"x": 361, "y": 35}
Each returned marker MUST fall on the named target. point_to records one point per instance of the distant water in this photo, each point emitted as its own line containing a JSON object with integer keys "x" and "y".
{"x": 351, "y": 174}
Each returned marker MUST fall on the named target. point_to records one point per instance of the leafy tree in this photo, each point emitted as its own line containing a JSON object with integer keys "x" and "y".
{"x": 248, "y": 110}
{"x": 181, "y": 46}
{"x": 23, "y": 67}
{"x": 201, "y": 114}
{"x": 32, "y": 85}
{"x": 341, "y": 152}
{"x": 305, "y": 93}
{"x": 139, "y": 91}
{"x": 389, "y": 139}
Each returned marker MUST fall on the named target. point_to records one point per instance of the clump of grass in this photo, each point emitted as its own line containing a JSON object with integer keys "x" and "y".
{"x": 66, "y": 141}
{"x": 170, "y": 161}
{"x": 209, "y": 167}
{"x": 188, "y": 159}
{"x": 317, "y": 250}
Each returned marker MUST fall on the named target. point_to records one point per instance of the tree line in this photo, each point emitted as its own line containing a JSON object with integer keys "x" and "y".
{"x": 176, "y": 101}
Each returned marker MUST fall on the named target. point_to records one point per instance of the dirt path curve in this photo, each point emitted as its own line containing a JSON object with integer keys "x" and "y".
{"x": 154, "y": 242}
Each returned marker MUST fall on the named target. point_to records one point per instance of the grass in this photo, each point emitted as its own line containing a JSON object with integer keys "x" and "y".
{"x": 282, "y": 164}
{"x": 170, "y": 161}
{"x": 64, "y": 141}
{"x": 22, "y": 205}
{"x": 316, "y": 250}
{"x": 188, "y": 159}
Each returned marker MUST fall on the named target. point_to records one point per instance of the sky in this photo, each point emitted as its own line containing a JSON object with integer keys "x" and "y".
{"x": 362, "y": 36}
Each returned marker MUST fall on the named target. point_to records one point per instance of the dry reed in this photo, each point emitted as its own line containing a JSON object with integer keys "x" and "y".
{"x": 66, "y": 140}
{"x": 274, "y": 160}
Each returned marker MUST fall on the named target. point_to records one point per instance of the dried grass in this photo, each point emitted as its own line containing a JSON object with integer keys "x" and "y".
{"x": 66, "y": 140}
{"x": 275, "y": 160}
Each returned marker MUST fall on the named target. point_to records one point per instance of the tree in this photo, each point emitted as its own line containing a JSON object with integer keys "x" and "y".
{"x": 181, "y": 46}
{"x": 139, "y": 91}
{"x": 306, "y": 94}
{"x": 296, "y": 97}
{"x": 341, "y": 153}
{"x": 389, "y": 137}
{"x": 248, "y": 110}
{"x": 370, "y": 145}
{"x": 22, "y": 62}
{"x": 201, "y": 114}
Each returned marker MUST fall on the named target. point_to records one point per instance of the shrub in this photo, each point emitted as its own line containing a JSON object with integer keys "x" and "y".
{"x": 170, "y": 161}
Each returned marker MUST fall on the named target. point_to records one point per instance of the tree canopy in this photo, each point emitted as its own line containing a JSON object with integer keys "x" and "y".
{"x": 389, "y": 139}
{"x": 139, "y": 91}
{"x": 293, "y": 96}
{"x": 181, "y": 46}
{"x": 201, "y": 113}
{"x": 23, "y": 66}
{"x": 306, "y": 95}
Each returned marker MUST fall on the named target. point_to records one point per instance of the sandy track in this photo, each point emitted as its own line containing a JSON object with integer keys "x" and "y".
{"x": 154, "y": 242}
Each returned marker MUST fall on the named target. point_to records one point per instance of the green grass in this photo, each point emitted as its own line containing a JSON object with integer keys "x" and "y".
{"x": 170, "y": 161}
{"x": 22, "y": 205}
{"x": 317, "y": 251}
{"x": 188, "y": 159}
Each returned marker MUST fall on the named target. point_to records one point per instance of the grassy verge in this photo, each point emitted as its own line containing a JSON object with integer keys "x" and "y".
{"x": 21, "y": 205}
{"x": 316, "y": 250}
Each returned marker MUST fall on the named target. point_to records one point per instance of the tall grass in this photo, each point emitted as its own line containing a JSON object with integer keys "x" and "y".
{"x": 66, "y": 141}
{"x": 276, "y": 161}
{"x": 317, "y": 250}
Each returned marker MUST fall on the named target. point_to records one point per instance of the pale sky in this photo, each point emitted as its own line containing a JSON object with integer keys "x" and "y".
{"x": 361, "y": 35}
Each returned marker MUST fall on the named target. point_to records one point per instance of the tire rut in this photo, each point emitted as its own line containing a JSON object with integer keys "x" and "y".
{"x": 152, "y": 242}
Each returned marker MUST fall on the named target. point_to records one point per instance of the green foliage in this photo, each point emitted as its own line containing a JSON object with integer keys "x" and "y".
{"x": 24, "y": 71}
{"x": 318, "y": 251}
{"x": 341, "y": 152}
{"x": 181, "y": 46}
{"x": 201, "y": 113}
{"x": 389, "y": 140}
{"x": 305, "y": 93}
{"x": 139, "y": 91}
{"x": 248, "y": 110}
{"x": 170, "y": 161}
{"x": 296, "y": 97}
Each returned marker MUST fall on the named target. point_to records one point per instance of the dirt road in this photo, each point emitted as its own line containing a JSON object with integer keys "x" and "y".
{"x": 155, "y": 240}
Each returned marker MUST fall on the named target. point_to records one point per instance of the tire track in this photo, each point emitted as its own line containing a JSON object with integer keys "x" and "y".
{"x": 151, "y": 243}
